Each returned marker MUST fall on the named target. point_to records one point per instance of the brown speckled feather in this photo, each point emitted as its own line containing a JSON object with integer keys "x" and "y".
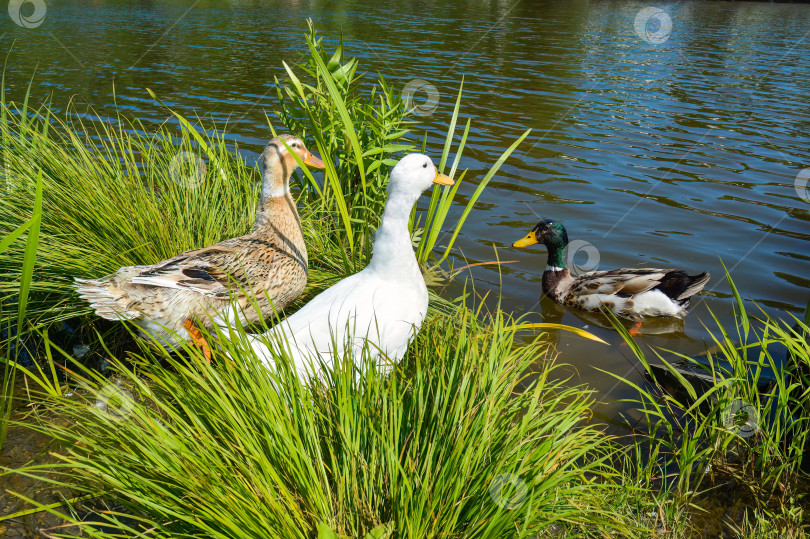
{"x": 267, "y": 265}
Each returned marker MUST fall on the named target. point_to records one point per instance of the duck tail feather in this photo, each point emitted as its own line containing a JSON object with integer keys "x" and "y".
{"x": 102, "y": 300}
{"x": 696, "y": 284}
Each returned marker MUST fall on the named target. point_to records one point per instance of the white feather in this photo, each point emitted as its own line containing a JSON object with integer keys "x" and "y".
{"x": 656, "y": 303}
{"x": 272, "y": 191}
{"x": 156, "y": 280}
{"x": 361, "y": 310}
{"x": 167, "y": 339}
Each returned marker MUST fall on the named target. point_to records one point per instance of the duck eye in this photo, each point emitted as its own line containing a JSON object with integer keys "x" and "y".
{"x": 424, "y": 165}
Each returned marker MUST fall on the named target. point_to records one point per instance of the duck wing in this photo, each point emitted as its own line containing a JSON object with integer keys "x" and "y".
{"x": 326, "y": 317}
{"x": 636, "y": 293}
{"x": 210, "y": 271}
{"x": 675, "y": 284}
{"x": 623, "y": 281}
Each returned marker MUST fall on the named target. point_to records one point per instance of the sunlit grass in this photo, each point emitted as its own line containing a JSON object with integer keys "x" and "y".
{"x": 236, "y": 450}
{"x": 30, "y": 229}
{"x": 690, "y": 439}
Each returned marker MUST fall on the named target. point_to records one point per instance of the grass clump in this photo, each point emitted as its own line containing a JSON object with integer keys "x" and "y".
{"x": 113, "y": 196}
{"x": 732, "y": 424}
{"x": 457, "y": 442}
{"x": 31, "y": 229}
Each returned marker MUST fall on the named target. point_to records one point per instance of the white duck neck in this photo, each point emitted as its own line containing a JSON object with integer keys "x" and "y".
{"x": 393, "y": 253}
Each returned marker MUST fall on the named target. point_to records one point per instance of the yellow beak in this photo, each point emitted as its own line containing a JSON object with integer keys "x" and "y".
{"x": 529, "y": 239}
{"x": 314, "y": 162}
{"x": 441, "y": 179}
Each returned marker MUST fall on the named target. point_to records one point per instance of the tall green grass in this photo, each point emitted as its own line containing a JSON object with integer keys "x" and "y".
{"x": 690, "y": 439}
{"x": 26, "y": 259}
{"x": 470, "y": 436}
{"x": 359, "y": 137}
{"x": 457, "y": 442}
{"x": 14, "y": 331}
{"x": 13, "y": 343}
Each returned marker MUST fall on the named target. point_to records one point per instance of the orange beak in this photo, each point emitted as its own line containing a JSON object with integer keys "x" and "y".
{"x": 441, "y": 179}
{"x": 314, "y": 162}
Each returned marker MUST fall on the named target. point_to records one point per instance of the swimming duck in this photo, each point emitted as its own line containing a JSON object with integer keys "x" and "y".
{"x": 382, "y": 306}
{"x": 269, "y": 264}
{"x": 629, "y": 293}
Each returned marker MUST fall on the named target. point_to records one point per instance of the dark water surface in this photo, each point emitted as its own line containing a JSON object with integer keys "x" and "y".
{"x": 673, "y": 150}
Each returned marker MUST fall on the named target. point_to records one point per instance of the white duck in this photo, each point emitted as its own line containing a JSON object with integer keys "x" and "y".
{"x": 382, "y": 306}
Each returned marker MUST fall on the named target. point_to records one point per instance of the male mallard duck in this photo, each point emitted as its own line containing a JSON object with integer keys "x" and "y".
{"x": 383, "y": 305}
{"x": 629, "y": 293}
{"x": 268, "y": 264}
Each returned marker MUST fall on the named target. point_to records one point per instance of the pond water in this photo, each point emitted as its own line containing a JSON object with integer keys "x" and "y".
{"x": 671, "y": 137}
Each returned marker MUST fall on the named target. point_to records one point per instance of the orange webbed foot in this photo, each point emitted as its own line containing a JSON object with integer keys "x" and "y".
{"x": 198, "y": 339}
{"x": 635, "y": 330}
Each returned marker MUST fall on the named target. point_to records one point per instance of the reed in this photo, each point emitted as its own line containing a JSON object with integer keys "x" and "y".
{"x": 13, "y": 343}
{"x": 360, "y": 136}
{"x": 742, "y": 427}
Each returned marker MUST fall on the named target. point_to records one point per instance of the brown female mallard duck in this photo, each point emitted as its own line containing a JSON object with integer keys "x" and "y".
{"x": 267, "y": 266}
{"x": 629, "y": 293}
